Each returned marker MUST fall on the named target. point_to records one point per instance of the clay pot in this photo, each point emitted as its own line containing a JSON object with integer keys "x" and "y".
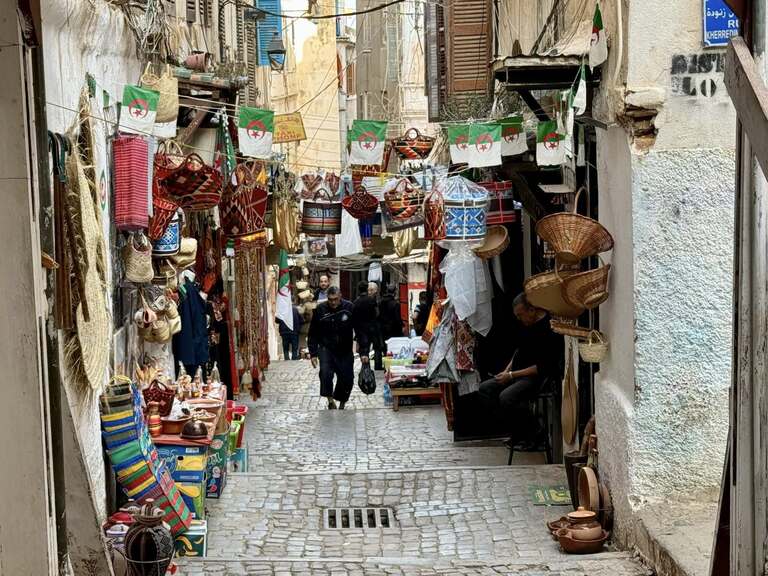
{"x": 198, "y": 61}
{"x": 586, "y": 531}
{"x": 148, "y": 543}
{"x": 172, "y": 426}
{"x": 573, "y": 546}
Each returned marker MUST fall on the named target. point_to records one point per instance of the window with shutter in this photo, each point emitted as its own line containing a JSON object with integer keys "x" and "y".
{"x": 252, "y": 54}
{"x": 240, "y": 30}
{"x": 351, "y": 78}
{"x": 267, "y": 28}
{"x": 468, "y": 43}
{"x": 191, "y": 10}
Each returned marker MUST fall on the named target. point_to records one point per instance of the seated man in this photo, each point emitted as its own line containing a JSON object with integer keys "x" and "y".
{"x": 539, "y": 355}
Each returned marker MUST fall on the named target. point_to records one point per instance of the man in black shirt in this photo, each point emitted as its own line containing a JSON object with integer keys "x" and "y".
{"x": 538, "y": 356}
{"x": 330, "y": 342}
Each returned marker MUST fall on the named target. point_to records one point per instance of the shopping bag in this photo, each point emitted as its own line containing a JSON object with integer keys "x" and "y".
{"x": 366, "y": 380}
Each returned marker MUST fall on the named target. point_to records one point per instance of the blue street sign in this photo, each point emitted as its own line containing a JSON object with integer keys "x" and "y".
{"x": 720, "y": 23}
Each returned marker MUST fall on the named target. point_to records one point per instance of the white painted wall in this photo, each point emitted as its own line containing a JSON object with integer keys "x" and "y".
{"x": 662, "y": 393}
{"x": 80, "y": 37}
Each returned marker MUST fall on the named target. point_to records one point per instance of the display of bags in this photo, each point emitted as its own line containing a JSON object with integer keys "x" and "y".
{"x": 244, "y": 203}
{"x": 194, "y": 185}
{"x": 130, "y": 156}
{"x": 168, "y": 87}
{"x": 137, "y": 259}
{"x": 321, "y": 217}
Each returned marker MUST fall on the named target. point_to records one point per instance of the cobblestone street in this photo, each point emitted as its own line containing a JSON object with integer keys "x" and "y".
{"x": 457, "y": 508}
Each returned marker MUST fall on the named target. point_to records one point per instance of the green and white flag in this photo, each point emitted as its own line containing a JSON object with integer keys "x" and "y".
{"x": 458, "y": 143}
{"x": 366, "y": 142}
{"x": 484, "y": 145}
{"x": 550, "y": 148}
{"x": 284, "y": 302}
{"x": 598, "y": 47}
{"x": 580, "y": 97}
{"x": 254, "y": 129}
{"x": 138, "y": 110}
{"x": 513, "y": 140}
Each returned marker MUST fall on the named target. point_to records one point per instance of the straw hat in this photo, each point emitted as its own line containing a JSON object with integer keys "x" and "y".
{"x": 545, "y": 291}
{"x": 88, "y": 352}
{"x": 496, "y": 241}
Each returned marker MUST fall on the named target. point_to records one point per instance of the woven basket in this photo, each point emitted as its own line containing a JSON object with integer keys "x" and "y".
{"x": 168, "y": 87}
{"x": 568, "y": 327}
{"x": 594, "y": 349}
{"x": 572, "y": 236}
{"x": 360, "y": 204}
{"x": 434, "y": 215}
{"x": 545, "y": 291}
{"x": 413, "y": 145}
{"x": 137, "y": 261}
{"x": 587, "y": 289}
{"x": 404, "y": 200}
{"x": 157, "y": 392}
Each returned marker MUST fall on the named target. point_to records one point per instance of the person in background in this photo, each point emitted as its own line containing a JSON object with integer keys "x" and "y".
{"x": 538, "y": 356}
{"x": 330, "y": 343}
{"x": 366, "y": 320}
{"x": 322, "y": 290}
{"x": 420, "y": 314}
{"x": 374, "y": 329}
{"x": 390, "y": 321}
{"x": 290, "y": 337}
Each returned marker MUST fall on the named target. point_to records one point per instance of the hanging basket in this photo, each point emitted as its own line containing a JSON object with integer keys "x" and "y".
{"x": 319, "y": 218}
{"x": 168, "y": 244}
{"x": 434, "y": 215}
{"x": 545, "y": 291}
{"x": 403, "y": 200}
{"x": 244, "y": 204}
{"x": 572, "y": 236}
{"x": 587, "y": 289}
{"x": 193, "y": 184}
{"x": 160, "y": 393}
{"x": 594, "y": 349}
{"x": 360, "y": 204}
{"x": 413, "y": 145}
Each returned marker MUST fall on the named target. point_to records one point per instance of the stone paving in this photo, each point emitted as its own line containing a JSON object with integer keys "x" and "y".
{"x": 459, "y": 509}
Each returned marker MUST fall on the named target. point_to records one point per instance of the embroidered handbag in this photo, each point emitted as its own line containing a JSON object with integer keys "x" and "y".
{"x": 360, "y": 203}
{"x": 413, "y": 145}
{"x": 320, "y": 218}
{"x": 403, "y": 200}
{"x": 168, "y": 244}
{"x": 434, "y": 215}
{"x": 244, "y": 204}
{"x": 193, "y": 184}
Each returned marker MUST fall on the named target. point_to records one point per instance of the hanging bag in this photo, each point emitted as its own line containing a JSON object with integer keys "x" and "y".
{"x": 244, "y": 204}
{"x": 360, "y": 204}
{"x": 434, "y": 215}
{"x": 366, "y": 380}
{"x": 403, "y": 200}
{"x": 321, "y": 217}
{"x": 168, "y": 87}
{"x": 131, "y": 181}
{"x": 194, "y": 185}
{"x": 413, "y": 145}
{"x": 137, "y": 259}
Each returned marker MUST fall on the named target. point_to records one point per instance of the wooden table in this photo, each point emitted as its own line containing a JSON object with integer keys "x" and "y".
{"x": 410, "y": 391}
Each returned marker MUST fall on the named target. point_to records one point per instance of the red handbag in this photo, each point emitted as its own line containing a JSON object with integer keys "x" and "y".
{"x": 244, "y": 204}
{"x": 434, "y": 215}
{"x": 404, "y": 200}
{"x": 193, "y": 184}
{"x": 360, "y": 204}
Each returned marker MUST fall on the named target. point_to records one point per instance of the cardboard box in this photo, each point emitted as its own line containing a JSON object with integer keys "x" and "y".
{"x": 195, "y": 541}
{"x": 186, "y": 463}
{"x": 218, "y": 462}
{"x": 193, "y": 495}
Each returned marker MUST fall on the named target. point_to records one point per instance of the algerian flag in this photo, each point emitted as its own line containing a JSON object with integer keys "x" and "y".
{"x": 550, "y": 149}
{"x": 138, "y": 110}
{"x": 366, "y": 142}
{"x": 255, "y": 128}
{"x": 284, "y": 303}
{"x": 598, "y": 47}
{"x": 458, "y": 143}
{"x": 484, "y": 145}
{"x": 513, "y": 139}
{"x": 580, "y": 97}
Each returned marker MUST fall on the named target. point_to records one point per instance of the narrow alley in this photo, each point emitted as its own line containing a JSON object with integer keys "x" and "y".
{"x": 457, "y": 508}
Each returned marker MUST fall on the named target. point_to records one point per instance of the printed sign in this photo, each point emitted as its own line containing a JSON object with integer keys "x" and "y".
{"x": 720, "y": 23}
{"x": 289, "y": 128}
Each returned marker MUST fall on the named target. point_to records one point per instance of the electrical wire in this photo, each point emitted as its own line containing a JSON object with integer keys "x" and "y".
{"x": 328, "y": 16}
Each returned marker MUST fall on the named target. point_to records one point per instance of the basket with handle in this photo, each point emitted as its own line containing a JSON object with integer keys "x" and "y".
{"x": 319, "y": 218}
{"x": 413, "y": 145}
{"x": 193, "y": 184}
{"x": 572, "y": 236}
{"x": 594, "y": 348}
{"x": 403, "y": 200}
{"x": 162, "y": 394}
{"x": 244, "y": 204}
{"x": 434, "y": 215}
{"x": 587, "y": 289}
{"x": 545, "y": 291}
{"x": 360, "y": 204}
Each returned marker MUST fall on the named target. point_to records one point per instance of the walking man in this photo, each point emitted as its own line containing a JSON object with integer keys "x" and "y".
{"x": 390, "y": 320}
{"x": 366, "y": 322}
{"x": 290, "y": 337}
{"x": 330, "y": 342}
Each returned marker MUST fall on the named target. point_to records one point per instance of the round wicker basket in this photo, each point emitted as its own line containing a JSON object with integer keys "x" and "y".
{"x": 594, "y": 348}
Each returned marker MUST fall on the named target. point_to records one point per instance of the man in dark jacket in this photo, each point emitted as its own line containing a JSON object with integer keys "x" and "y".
{"x": 330, "y": 342}
{"x": 390, "y": 320}
{"x": 290, "y": 337}
{"x": 366, "y": 311}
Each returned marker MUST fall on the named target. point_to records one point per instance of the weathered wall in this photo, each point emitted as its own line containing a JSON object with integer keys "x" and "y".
{"x": 82, "y": 37}
{"x": 662, "y": 395}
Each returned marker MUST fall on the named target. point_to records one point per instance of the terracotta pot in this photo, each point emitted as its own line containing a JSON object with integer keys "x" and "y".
{"x": 198, "y": 61}
{"x": 586, "y": 531}
{"x": 171, "y": 426}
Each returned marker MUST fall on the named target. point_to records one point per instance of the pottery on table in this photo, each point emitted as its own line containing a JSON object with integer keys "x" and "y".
{"x": 195, "y": 430}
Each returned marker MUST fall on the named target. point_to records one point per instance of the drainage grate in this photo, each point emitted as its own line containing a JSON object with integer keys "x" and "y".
{"x": 358, "y": 518}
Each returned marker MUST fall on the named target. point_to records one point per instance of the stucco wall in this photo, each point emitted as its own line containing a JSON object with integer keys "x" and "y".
{"x": 662, "y": 393}
{"x": 80, "y": 37}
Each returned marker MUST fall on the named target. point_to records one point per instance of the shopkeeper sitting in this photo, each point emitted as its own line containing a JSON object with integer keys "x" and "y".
{"x": 539, "y": 356}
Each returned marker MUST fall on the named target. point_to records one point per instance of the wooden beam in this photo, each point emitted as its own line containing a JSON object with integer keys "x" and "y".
{"x": 187, "y": 132}
{"x": 750, "y": 97}
{"x": 534, "y": 105}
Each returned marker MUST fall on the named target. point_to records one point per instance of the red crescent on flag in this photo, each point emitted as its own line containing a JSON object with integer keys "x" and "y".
{"x": 256, "y": 129}
{"x": 510, "y": 133}
{"x": 368, "y": 140}
{"x": 551, "y": 140}
{"x": 461, "y": 142}
{"x": 138, "y": 108}
{"x": 484, "y": 143}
